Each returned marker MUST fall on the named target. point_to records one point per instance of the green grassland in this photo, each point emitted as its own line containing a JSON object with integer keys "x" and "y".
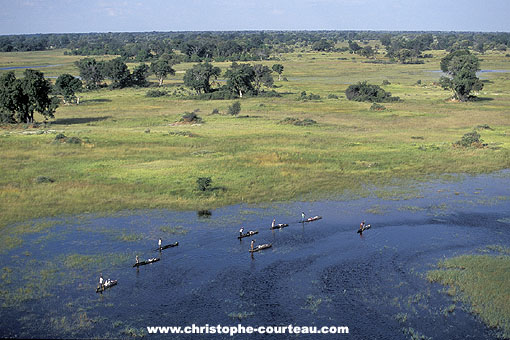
{"x": 483, "y": 281}
{"x": 254, "y": 159}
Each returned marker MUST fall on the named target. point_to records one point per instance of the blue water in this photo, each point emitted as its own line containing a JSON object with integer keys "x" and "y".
{"x": 319, "y": 273}
{"x": 24, "y": 67}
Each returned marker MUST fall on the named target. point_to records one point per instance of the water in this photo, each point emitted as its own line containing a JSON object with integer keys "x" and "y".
{"x": 23, "y": 67}
{"x": 316, "y": 274}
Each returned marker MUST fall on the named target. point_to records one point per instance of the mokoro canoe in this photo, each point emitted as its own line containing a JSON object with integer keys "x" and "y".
{"x": 143, "y": 263}
{"x": 168, "y": 246}
{"x": 249, "y": 233}
{"x": 110, "y": 284}
{"x": 260, "y": 247}
{"x": 364, "y": 228}
{"x": 311, "y": 219}
{"x": 280, "y": 226}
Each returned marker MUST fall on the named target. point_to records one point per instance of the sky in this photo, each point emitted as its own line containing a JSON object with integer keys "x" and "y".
{"x": 69, "y": 16}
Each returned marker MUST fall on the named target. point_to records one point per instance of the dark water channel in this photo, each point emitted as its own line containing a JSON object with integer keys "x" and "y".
{"x": 317, "y": 274}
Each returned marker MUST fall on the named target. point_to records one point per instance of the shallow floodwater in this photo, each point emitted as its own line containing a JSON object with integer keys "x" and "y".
{"x": 24, "y": 67}
{"x": 316, "y": 274}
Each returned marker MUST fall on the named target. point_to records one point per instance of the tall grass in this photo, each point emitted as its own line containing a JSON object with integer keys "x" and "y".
{"x": 483, "y": 282}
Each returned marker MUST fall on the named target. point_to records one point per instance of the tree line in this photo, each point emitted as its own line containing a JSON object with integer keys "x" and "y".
{"x": 248, "y": 45}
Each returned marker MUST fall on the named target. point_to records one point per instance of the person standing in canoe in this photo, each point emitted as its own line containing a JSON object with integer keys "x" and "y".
{"x": 159, "y": 243}
{"x": 101, "y": 281}
{"x": 137, "y": 260}
{"x": 252, "y": 244}
{"x": 303, "y": 216}
{"x": 273, "y": 224}
{"x": 241, "y": 232}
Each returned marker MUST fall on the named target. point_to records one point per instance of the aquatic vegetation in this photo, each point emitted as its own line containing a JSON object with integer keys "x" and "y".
{"x": 482, "y": 282}
{"x": 414, "y": 335}
{"x": 173, "y": 230}
{"x": 130, "y": 237}
{"x": 241, "y": 315}
{"x": 313, "y": 303}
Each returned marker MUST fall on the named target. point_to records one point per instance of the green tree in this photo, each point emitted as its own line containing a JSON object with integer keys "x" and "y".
{"x": 91, "y": 71}
{"x": 404, "y": 55}
{"x": 20, "y": 99}
{"x": 199, "y": 76}
{"x": 37, "y": 90}
{"x": 322, "y": 45}
{"x": 234, "y": 109}
{"x": 117, "y": 71}
{"x": 353, "y": 46}
{"x": 161, "y": 68}
{"x": 67, "y": 86}
{"x": 262, "y": 77}
{"x": 367, "y": 52}
{"x": 11, "y": 96}
{"x": 462, "y": 80}
{"x": 139, "y": 75}
{"x": 240, "y": 78}
{"x": 278, "y": 68}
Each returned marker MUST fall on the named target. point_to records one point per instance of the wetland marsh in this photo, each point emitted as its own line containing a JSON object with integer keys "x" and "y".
{"x": 133, "y": 177}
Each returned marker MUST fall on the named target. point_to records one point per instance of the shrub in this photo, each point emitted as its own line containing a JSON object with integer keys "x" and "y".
{"x": 181, "y": 133}
{"x": 216, "y": 95}
{"x": 191, "y": 117}
{"x": 483, "y": 127}
{"x": 73, "y": 140}
{"x": 61, "y": 138}
{"x": 418, "y": 82}
{"x": 155, "y": 93}
{"x": 386, "y": 82}
{"x": 363, "y": 92}
{"x": 377, "y": 107}
{"x": 470, "y": 139}
{"x": 311, "y": 96}
{"x": 204, "y": 183}
{"x": 332, "y": 96}
{"x": 305, "y": 122}
{"x": 215, "y": 112}
{"x": 298, "y": 122}
{"x": 234, "y": 109}
{"x": 44, "y": 179}
{"x": 269, "y": 94}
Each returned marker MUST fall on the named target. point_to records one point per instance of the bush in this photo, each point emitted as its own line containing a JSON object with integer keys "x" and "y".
{"x": 269, "y": 94}
{"x": 311, "y": 96}
{"x": 191, "y": 117}
{"x": 204, "y": 183}
{"x": 332, "y": 96}
{"x": 155, "y": 93}
{"x": 215, "y": 112}
{"x": 61, "y": 138}
{"x": 363, "y": 92}
{"x": 44, "y": 179}
{"x": 484, "y": 127}
{"x": 470, "y": 139}
{"x": 234, "y": 109}
{"x": 73, "y": 140}
{"x": 298, "y": 122}
{"x": 386, "y": 82}
{"x": 377, "y": 107}
{"x": 216, "y": 95}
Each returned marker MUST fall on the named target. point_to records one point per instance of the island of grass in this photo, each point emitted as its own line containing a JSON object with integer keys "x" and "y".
{"x": 482, "y": 282}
